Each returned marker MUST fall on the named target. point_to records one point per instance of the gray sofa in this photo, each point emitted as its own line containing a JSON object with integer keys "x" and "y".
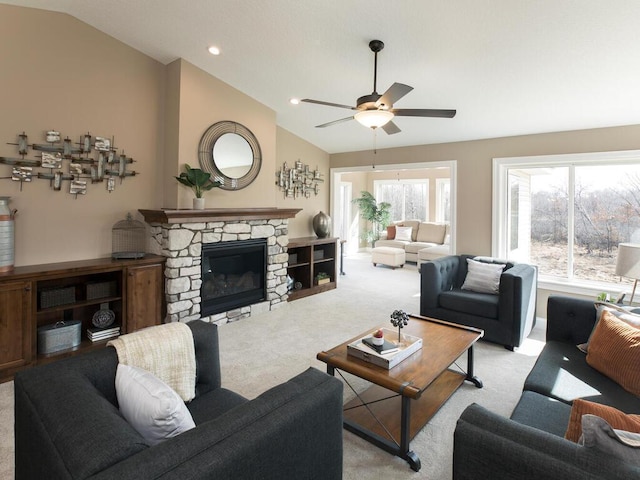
{"x": 432, "y": 239}
{"x": 68, "y": 426}
{"x": 506, "y": 318}
{"x": 531, "y": 444}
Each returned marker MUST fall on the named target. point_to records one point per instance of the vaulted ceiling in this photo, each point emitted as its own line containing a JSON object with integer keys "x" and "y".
{"x": 508, "y": 67}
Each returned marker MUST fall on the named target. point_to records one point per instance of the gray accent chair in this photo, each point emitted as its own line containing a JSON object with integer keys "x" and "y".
{"x": 506, "y": 318}
{"x": 530, "y": 445}
{"x": 68, "y": 426}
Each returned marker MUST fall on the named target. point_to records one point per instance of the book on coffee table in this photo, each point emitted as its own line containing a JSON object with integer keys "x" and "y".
{"x": 364, "y": 352}
{"x": 386, "y": 348}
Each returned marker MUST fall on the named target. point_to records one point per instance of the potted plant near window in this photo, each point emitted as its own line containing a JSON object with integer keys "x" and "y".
{"x": 200, "y": 181}
{"x": 378, "y": 214}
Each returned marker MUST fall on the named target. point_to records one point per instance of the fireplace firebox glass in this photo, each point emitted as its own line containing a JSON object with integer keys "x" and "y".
{"x": 233, "y": 275}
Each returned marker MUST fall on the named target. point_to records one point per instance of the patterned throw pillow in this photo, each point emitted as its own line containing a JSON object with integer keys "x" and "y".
{"x": 483, "y": 277}
{"x": 614, "y": 350}
{"x": 613, "y": 416}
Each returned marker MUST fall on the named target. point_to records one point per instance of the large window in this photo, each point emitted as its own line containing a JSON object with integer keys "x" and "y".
{"x": 567, "y": 213}
{"x": 409, "y": 199}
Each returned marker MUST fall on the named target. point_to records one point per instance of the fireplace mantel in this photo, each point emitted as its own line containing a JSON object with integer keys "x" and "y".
{"x": 167, "y": 216}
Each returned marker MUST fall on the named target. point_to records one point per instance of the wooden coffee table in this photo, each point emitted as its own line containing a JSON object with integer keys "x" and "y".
{"x": 421, "y": 384}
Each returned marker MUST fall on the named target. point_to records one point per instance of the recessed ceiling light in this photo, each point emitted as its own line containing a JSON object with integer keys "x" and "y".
{"x": 214, "y": 50}
{"x": 294, "y": 101}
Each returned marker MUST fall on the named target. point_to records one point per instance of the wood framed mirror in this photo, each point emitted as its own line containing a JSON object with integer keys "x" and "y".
{"x": 230, "y": 152}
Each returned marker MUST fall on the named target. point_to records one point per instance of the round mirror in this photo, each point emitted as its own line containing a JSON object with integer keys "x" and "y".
{"x": 231, "y": 154}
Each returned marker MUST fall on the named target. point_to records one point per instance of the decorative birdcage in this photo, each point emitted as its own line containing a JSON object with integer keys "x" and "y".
{"x": 128, "y": 239}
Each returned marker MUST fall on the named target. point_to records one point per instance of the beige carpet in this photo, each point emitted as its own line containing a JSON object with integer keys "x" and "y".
{"x": 265, "y": 350}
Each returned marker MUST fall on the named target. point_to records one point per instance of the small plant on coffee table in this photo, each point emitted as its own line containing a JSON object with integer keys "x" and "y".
{"x": 399, "y": 318}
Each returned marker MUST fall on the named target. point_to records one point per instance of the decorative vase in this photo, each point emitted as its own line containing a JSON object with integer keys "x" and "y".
{"x": 103, "y": 317}
{"x": 198, "y": 203}
{"x": 322, "y": 225}
{"x": 6, "y": 235}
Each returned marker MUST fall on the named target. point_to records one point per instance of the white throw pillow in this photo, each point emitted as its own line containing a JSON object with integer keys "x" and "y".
{"x": 483, "y": 277}
{"x": 150, "y": 406}
{"x": 403, "y": 233}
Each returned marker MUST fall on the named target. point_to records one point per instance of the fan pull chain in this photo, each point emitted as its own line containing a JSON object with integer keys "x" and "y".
{"x": 375, "y": 149}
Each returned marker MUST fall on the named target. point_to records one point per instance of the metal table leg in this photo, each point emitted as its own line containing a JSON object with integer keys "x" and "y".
{"x": 470, "y": 376}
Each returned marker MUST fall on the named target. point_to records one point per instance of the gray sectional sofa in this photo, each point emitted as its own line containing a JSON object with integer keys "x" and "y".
{"x": 432, "y": 239}
{"x": 68, "y": 426}
{"x": 530, "y": 445}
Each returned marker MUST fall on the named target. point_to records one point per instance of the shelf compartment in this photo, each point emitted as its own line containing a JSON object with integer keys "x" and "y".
{"x": 312, "y": 255}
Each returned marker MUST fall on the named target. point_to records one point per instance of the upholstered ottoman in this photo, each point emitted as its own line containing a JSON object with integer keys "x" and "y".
{"x": 431, "y": 253}
{"x": 390, "y": 256}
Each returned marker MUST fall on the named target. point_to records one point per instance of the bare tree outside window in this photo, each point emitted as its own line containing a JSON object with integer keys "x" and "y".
{"x": 600, "y": 208}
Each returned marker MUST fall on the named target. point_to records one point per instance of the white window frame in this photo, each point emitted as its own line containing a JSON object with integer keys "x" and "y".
{"x": 441, "y": 183}
{"x": 500, "y": 222}
{"x": 404, "y": 181}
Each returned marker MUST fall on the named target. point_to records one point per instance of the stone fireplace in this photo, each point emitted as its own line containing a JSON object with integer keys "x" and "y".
{"x": 183, "y": 235}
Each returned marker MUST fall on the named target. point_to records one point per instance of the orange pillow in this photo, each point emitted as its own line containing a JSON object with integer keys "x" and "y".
{"x": 614, "y": 350}
{"x": 614, "y": 417}
{"x": 391, "y": 232}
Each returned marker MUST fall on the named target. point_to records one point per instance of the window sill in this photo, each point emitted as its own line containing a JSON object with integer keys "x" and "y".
{"x": 590, "y": 289}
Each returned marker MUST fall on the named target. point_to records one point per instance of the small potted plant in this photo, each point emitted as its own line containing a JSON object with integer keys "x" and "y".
{"x": 200, "y": 181}
{"x": 322, "y": 278}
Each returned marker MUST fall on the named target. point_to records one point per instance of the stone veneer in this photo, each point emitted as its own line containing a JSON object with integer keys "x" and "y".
{"x": 181, "y": 239}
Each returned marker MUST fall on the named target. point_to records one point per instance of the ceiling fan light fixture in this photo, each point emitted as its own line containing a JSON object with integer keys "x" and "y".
{"x": 374, "y": 118}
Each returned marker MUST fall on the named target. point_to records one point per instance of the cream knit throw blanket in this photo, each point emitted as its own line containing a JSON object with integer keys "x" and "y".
{"x": 165, "y": 350}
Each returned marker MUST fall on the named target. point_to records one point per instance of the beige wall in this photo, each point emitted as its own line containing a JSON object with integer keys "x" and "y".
{"x": 205, "y": 100}
{"x": 474, "y": 168}
{"x": 59, "y": 73}
{"x": 291, "y": 148}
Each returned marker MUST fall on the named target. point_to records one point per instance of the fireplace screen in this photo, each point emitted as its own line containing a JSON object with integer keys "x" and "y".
{"x": 233, "y": 275}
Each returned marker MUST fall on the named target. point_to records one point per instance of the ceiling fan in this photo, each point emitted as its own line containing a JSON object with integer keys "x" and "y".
{"x": 377, "y": 110}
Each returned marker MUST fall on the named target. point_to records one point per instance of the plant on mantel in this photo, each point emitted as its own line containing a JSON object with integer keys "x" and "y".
{"x": 199, "y": 181}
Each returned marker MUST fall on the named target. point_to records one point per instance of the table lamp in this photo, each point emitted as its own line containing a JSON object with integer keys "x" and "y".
{"x": 628, "y": 263}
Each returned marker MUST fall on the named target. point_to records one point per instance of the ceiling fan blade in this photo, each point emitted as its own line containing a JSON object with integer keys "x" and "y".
{"x": 423, "y": 112}
{"x": 393, "y": 94}
{"x": 328, "y": 104}
{"x": 390, "y": 128}
{"x": 328, "y": 124}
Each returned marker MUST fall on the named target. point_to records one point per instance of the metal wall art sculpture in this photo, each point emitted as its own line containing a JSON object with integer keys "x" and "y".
{"x": 93, "y": 159}
{"x": 299, "y": 180}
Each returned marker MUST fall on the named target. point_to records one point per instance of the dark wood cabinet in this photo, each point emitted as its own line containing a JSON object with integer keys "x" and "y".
{"x": 37, "y": 296}
{"x": 144, "y": 296}
{"x": 308, "y": 257}
{"x": 16, "y": 339}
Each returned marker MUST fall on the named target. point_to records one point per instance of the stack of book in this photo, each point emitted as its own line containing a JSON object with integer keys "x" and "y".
{"x": 96, "y": 334}
{"x": 388, "y": 355}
